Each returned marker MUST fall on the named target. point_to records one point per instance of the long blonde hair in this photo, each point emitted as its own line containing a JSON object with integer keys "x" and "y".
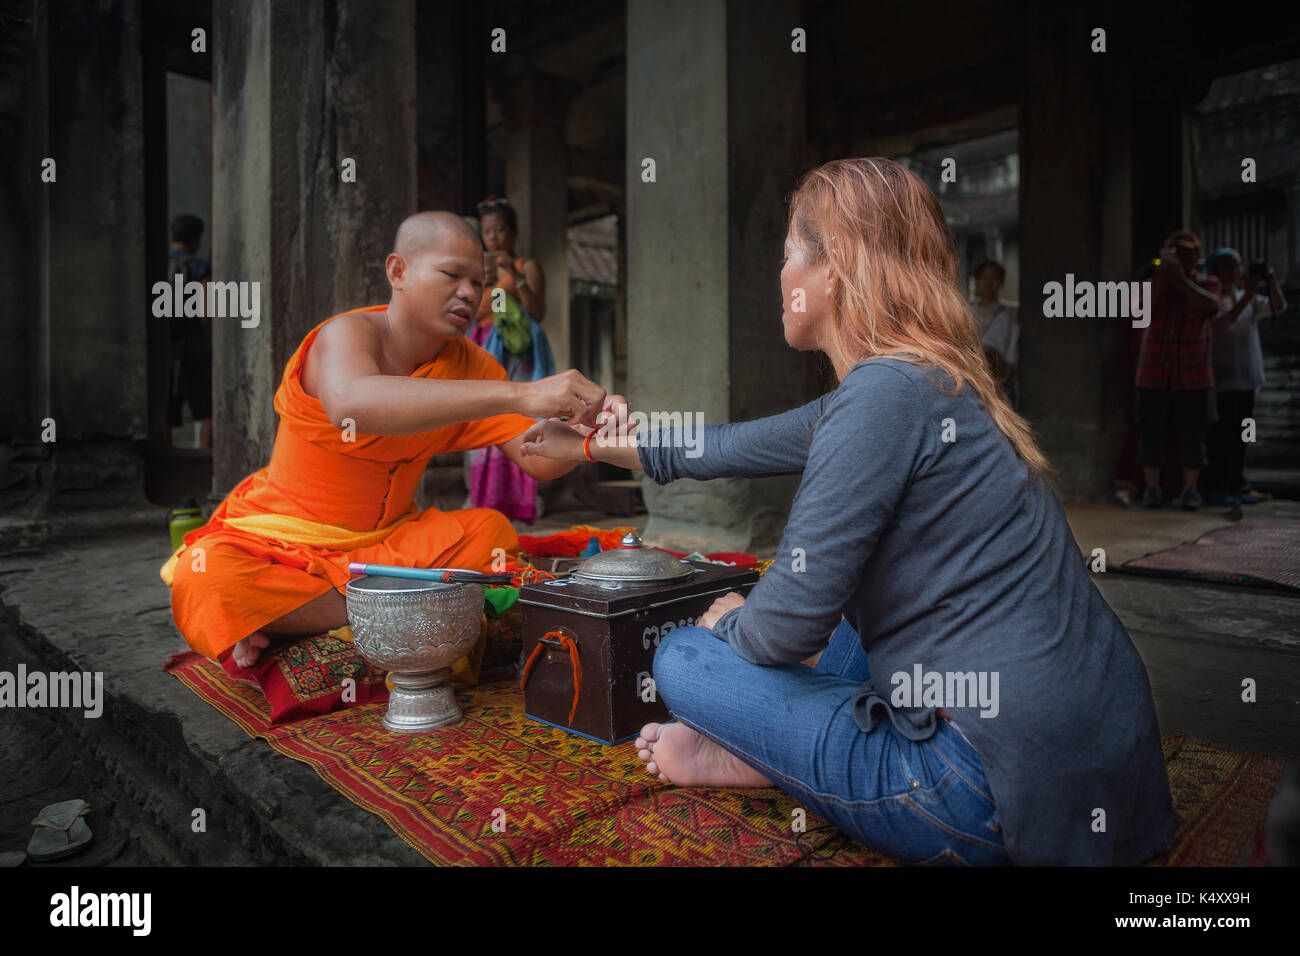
{"x": 896, "y": 293}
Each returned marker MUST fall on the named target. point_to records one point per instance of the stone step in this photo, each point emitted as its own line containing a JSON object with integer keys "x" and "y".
{"x": 135, "y": 778}
{"x": 96, "y": 605}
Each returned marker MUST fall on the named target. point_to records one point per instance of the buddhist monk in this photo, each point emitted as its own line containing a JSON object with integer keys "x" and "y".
{"x": 366, "y": 400}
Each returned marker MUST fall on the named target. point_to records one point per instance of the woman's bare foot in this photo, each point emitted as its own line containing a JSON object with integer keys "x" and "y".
{"x": 677, "y": 754}
{"x": 248, "y": 650}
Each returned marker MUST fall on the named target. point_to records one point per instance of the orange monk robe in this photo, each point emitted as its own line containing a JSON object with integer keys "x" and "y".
{"x": 286, "y": 533}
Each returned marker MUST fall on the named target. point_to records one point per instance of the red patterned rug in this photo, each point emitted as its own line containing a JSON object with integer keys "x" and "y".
{"x": 1252, "y": 553}
{"x": 501, "y": 789}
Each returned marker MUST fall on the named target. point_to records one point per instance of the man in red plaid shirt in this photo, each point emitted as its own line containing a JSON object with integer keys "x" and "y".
{"x": 1175, "y": 373}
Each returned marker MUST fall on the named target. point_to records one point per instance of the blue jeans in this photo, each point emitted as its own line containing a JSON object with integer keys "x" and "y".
{"x": 923, "y": 802}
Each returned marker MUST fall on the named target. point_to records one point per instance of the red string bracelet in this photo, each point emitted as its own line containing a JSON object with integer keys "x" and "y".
{"x": 586, "y": 444}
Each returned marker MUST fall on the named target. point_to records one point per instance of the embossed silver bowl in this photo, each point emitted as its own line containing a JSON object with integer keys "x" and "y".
{"x": 415, "y": 630}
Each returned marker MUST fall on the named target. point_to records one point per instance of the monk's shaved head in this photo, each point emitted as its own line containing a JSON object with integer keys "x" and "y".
{"x": 427, "y": 231}
{"x": 436, "y": 272}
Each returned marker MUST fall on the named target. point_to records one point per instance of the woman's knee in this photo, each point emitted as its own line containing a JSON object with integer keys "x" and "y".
{"x": 680, "y": 662}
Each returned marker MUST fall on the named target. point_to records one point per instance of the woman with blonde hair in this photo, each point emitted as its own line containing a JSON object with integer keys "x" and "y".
{"x": 976, "y": 700}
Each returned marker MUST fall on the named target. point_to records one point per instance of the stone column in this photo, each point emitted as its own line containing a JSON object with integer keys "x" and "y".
{"x": 296, "y": 91}
{"x": 24, "y": 215}
{"x": 91, "y": 272}
{"x": 716, "y": 97}
{"x": 535, "y": 107}
{"x": 25, "y": 460}
{"x": 450, "y": 43}
{"x": 1076, "y": 214}
{"x": 450, "y": 93}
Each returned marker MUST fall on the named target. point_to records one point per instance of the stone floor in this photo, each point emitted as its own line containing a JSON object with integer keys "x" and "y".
{"x": 1200, "y": 640}
{"x": 94, "y": 602}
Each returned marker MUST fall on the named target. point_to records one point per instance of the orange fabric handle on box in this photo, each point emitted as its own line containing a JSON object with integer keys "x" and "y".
{"x": 564, "y": 641}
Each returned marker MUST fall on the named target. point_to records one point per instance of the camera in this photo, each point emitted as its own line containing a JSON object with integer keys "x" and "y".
{"x": 1258, "y": 270}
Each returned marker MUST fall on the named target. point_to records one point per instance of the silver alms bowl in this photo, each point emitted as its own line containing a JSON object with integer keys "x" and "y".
{"x": 415, "y": 630}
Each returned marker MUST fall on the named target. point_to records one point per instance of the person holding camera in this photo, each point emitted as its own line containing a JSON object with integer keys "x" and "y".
{"x": 1175, "y": 375}
{"x": 521, "y": 278}
{"x": 508, "y": 329}
{"x": 1238, "y": 368}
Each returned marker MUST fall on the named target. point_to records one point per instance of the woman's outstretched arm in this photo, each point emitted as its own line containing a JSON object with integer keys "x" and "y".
{"x": 869, "y": 445}
{"x": 777, "y": 445}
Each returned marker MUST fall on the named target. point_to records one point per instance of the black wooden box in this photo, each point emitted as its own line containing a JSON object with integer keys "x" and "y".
{"x": 615, "y": 632}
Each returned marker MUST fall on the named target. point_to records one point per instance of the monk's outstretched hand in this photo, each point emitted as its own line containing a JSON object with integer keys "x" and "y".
{"x": 566, "y": 395}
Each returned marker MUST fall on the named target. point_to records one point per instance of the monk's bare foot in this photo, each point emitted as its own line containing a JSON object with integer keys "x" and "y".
{"x": 677, "y": 754}
{"x": 248, "y": 650}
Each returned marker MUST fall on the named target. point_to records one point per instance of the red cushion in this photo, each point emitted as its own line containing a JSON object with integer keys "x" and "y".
{"x": 304, "y": 678}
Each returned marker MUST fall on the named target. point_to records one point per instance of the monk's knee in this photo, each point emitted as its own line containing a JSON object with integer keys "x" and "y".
{"x": 189, "y": 573}
{"x": 489, "y": 534}
{"x": 202, "y": 571}
{"x": 498, "y": 527}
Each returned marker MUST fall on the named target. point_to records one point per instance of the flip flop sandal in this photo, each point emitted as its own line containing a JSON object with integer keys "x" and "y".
{"x": 60, "y": 831}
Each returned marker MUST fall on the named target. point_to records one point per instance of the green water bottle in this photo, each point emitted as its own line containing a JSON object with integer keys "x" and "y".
{"x": 183, "y": 519}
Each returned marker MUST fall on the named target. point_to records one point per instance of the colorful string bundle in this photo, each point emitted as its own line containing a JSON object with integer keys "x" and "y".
{"x": 570, "y": 544}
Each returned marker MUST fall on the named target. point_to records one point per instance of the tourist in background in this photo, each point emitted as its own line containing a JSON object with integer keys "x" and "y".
{"x": 1238, "y": 370}
{"x": 1175, "y": 375}
{"x": 509, "y": 317}
{"x": 999, "y": 325}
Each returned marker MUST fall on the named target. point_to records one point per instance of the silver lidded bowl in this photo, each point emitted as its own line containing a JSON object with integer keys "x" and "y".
{"x": 631, "y": 564}
{"x": 415, "y": 630}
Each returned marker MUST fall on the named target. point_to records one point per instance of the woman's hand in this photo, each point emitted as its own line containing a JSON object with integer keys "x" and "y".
{"x": 554, "y": 440}
{"x": 728, "y": 602}
{"x": 562, "y": 441}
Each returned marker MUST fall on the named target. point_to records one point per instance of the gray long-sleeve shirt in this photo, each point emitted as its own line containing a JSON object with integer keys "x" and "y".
{"x": 916, "y": 521}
